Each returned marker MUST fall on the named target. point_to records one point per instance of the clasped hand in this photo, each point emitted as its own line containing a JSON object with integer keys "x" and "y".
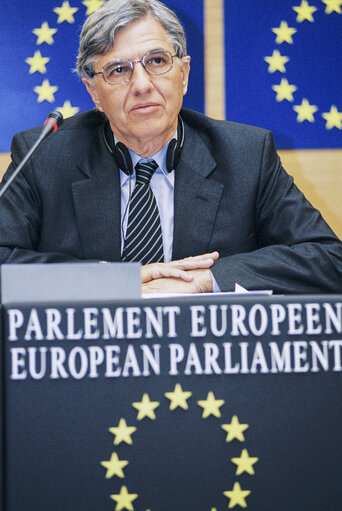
{"x": 189, "y": 275}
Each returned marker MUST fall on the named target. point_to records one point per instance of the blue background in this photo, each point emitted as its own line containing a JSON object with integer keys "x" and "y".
{"x": 314, "y": 66}
{"x": 19, "y": 108}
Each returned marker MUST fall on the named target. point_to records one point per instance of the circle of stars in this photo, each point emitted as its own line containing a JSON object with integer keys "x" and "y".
{"x": 277, "y": 63}
{"x": 178, "y": 398}
{"x": 45, "y": 36}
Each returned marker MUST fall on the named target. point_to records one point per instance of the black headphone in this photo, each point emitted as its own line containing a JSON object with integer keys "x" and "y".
{"x": 123, "y": 157}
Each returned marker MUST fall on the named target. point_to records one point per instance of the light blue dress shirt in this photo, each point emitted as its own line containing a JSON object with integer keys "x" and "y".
{"x": 162, "y": 184}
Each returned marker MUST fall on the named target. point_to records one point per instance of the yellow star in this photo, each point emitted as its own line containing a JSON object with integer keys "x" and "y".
{"x": 67, "y": 110}
{"x": 123, "y": 433}
{"x": 178, "y": 397}
{"x": 237, "y": 496}
{"x": 114, "y": 466}
{"x": 304, "y": 11}
{"x": 37, "y": 63}
{"x": 124, "y": 499}
{"x": 92, "y": 5}
{"x": 211, "y": 406}
{"x": 284, "y": 90}
{"x": 235, "y": 430}
{"x": 244, "y": 463}
{"x": 45, "y": 92}
{"x": 146, "y": 407}
{"x": 44, "y": 33}
{"x": 284, "y": 33}
{"x": 305, "y": 111}
{"x": 332, "y": 6}
{"x": 65, "y": 13}
{"x": 276, "y": 62}
{"x": 333, "y": 118}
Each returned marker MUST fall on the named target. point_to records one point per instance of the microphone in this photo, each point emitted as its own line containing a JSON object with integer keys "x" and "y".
{"x": 52, "y": 123}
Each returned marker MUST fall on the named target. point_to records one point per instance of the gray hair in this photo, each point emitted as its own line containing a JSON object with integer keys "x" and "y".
{"x": 99, "y": 30}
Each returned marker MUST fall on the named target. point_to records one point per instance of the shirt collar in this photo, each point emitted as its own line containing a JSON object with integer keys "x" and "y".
{"x": 159, "y": 157}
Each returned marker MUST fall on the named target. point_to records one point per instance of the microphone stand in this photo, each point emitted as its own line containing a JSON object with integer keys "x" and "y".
{"x": 52, "y": 123}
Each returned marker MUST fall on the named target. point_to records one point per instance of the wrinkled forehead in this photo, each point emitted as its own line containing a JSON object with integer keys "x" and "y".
{"x": 138, "y": 37}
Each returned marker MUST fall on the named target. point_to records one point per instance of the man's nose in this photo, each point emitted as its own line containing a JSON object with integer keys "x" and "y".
{"x": 141, "y": 80}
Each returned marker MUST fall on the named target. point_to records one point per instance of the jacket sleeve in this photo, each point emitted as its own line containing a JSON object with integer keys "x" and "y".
{"x": 297, "y": 251}
{"x": 21, "y": 215}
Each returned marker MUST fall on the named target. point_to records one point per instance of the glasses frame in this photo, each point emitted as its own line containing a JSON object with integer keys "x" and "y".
{"x": 132, "y": 62}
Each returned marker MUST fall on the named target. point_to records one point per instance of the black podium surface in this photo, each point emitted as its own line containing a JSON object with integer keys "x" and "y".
{"x": 192, "y": 404}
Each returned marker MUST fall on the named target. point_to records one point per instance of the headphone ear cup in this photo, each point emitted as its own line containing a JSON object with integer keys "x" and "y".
{"x": 123, "y": 158}
{"x": 171, "y": 155}
{"x": 175, "y": 147}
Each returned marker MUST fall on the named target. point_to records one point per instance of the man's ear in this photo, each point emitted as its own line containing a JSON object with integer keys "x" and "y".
{"x": 185, "y": 70}
{"x": 88, "y": 82}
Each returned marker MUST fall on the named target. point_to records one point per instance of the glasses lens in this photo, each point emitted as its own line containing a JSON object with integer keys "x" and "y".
{"x": 157, "y": 62}
{"x": 117, "y": 72}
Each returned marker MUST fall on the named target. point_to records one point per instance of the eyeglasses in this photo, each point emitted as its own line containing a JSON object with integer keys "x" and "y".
{"x": 155, "y": 62}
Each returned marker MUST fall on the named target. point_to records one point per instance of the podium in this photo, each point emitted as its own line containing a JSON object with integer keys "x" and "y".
{"x": 187, "y": 404}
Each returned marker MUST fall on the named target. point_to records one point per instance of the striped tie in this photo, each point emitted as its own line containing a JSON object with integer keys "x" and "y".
{"x": 143, "y": 242}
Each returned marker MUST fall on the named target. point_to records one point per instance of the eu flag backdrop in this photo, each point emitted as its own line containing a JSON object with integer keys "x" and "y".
{"x": 39, "y": 44}
{"x": 282, "y": 65}
{"x": 283, "y": 69}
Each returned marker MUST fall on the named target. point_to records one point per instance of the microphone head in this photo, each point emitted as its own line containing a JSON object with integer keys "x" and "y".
{"x": 56, "y": 118}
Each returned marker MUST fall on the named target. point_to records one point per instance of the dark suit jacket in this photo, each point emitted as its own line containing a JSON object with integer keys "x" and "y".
{"x": 231, "y": 195}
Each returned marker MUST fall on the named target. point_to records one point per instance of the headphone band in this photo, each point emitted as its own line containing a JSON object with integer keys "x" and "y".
{"x": 122, "y": 155}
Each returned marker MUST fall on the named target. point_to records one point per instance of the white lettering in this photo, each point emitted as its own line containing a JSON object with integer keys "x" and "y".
{"x": 151, "y": 359}
{"x": 57, "y": 361}
{"x": 211, "y": 353}
{"x": 90, "y": 323}
{"x": 112, "y": 360}
{"x": 131, "y": 363}
{"x": 198, "y": 328}
{"x": 259, "y": 359}
{"x": 300, "y": 356}
{"x": 228, "y": 369}
{"x": 321, "y": 355}
{"x": 113, "y": 328}
{"x": 176, "y": 356}
{"x": 280, "y": 362}
{"x": 33, "y": 327}
{"x": 15, "y": 321}
{"x": 295, "y": 326}
{"x": 18, "y": 371}
{"x": 238, "y": 317}
{"x": 96, "y": 357}
{"x": 133, "y": 323}
{"x": 155, "y": 321}
{"x": 78, "y": 357}
{"x": 193, "y": 361}
{"x": 278, "y": 314}
{"x": 215, "y": 330}
{"x": 337, "y": 346}
{"x": 312, "y": 318}
{"x": 71, "y": 334}
{"x": 333, "y": 317}
{"x": 32, "y": 360}
{"x": 260, "y": 310}
{"x": 53, "y": 319}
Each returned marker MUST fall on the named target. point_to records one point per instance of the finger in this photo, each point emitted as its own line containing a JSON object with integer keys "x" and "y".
{"x": 159, "y": 271}
{"x": 193, "y": 262}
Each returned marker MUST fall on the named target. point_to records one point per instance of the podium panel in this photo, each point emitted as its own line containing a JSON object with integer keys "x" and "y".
{"x": 193, "y": 404}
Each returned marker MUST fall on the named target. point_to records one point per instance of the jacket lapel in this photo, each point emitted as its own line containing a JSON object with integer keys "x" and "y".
{"x": 97, "y": 203}
{"x": 196, "y": 198}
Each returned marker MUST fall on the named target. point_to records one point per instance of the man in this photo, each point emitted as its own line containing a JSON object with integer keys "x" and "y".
{"x": 216, "y": 187}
